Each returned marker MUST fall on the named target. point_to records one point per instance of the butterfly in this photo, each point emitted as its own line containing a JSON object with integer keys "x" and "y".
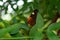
{"x": 32, "y": 18}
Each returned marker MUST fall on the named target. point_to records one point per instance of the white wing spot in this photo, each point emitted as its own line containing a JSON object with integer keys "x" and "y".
{"x": 33, "y": 13}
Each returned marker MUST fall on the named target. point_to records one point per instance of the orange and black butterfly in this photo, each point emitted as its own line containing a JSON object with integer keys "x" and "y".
{"x": 32, "y": 18}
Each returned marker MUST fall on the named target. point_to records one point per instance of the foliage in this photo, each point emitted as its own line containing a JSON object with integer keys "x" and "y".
{"x": 46, "y": 26}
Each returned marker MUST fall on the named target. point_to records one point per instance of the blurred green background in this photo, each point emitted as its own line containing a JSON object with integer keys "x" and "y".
{"x": 14, "y": 15}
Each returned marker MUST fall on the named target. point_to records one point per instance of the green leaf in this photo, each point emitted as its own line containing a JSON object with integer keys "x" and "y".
{"x": 25, "y": 1}
{"x": 36, "y": 31}
{"x": 2, "y": 25}
{"x": 1, "y": 20}
{"x": 25, "y": 6}
{"x": 3, "y": 32}
{"x": 13, "y": 29}
{"x": 8, "y": 29}
{"x": 39, "y": 21}
{"x": 36, "y": 4}
{"x": 50, "y": 29}
{"x": 58, "y": 5}
{"x": 50, "y": 11}
{"x": 14, "y": 20}
{"x": 51, "y": 8}
{"x": 24, "y": 26}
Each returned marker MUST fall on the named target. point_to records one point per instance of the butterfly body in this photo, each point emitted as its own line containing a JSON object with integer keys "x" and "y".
{"x": 32, "y": 18}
